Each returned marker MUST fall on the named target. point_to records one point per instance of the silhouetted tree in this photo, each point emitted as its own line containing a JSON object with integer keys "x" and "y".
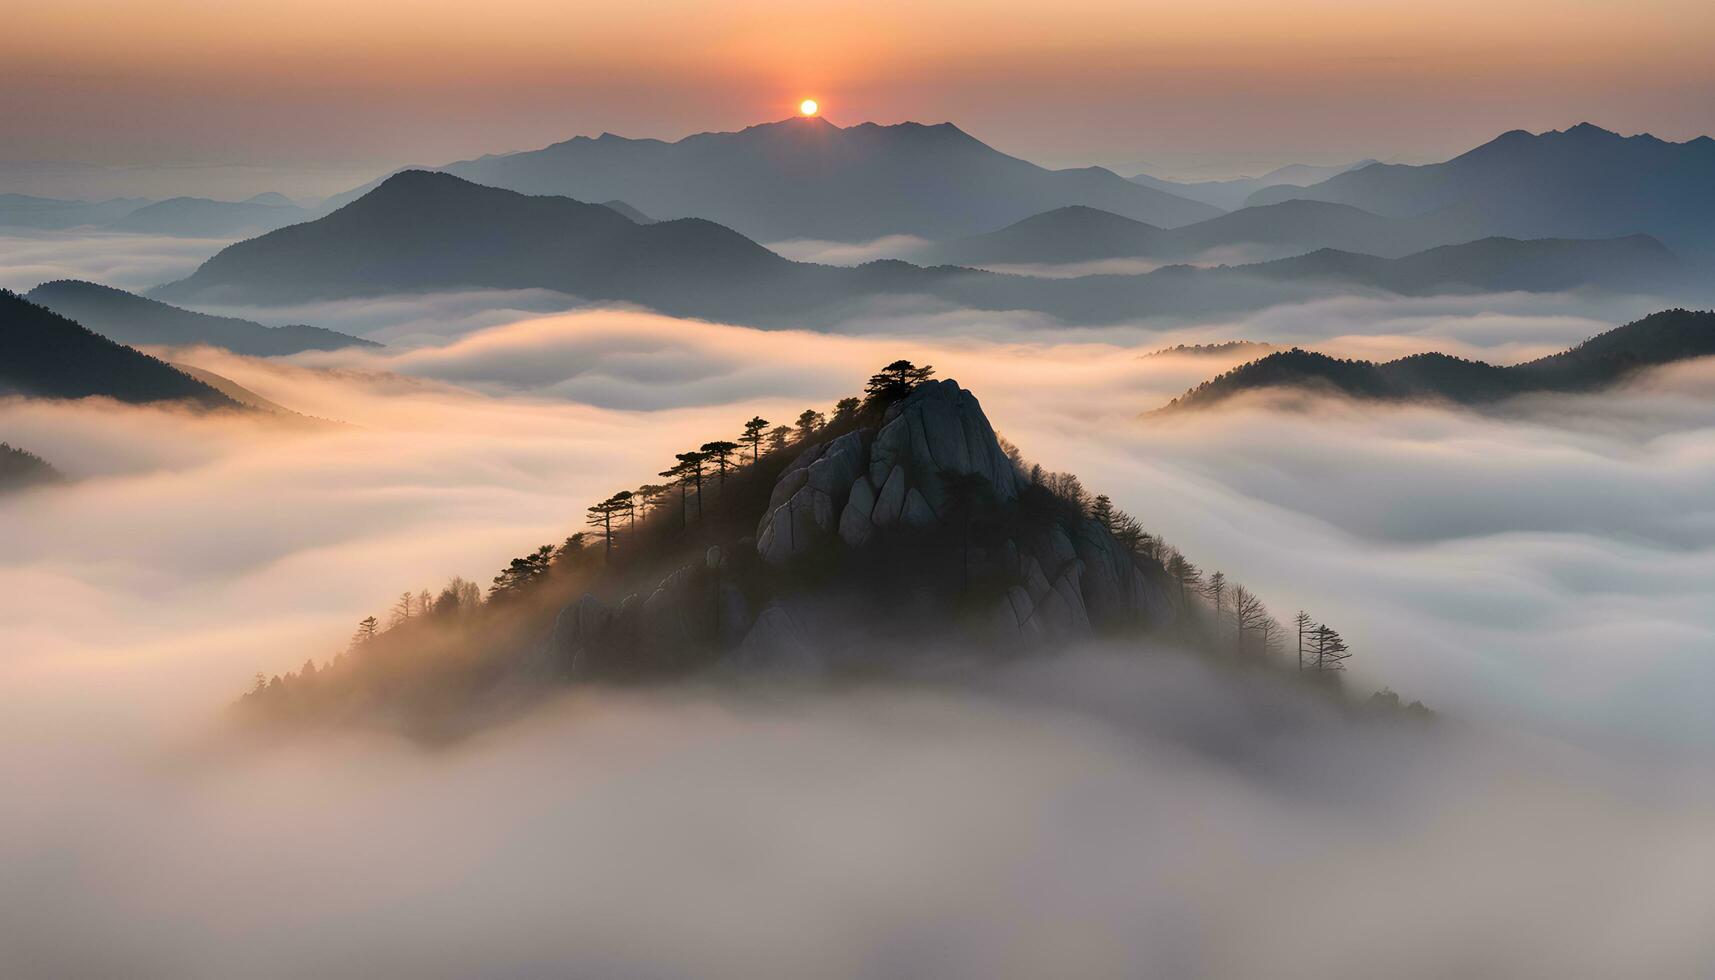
{"x": 522, "y": 573}
{"x": 679, "y": 476}
{"x": 693, "y": 471}
{"x": 1068, "y": 488}
{"x": 649, "y": 495}
{"x": 601, "y": 518}
{"x": 1128, "y": 532}
{"x": 367, "y": 627}
{"x": 401, "y": 609}
{"x": 1103, "y": 511}
{"x": 460, "y": 595}
{"x": 777, "y": 438}
{"x": 1215, "y": 590}
{"x": 1305, "y": 625}
{"x": 1331, "y": 649}
{"x": 895, "y": 381}
{"x": 1270, "y": 630}
{"x": 808, "y": 422}
{"x": 846, "y": 409}
{"x": 1189, "y": 577}
{"x": 753, "y": 431}
{"x": 720, "y": 453}
{"x": 572, "y": 551}
{"x": 1248, "y": 614}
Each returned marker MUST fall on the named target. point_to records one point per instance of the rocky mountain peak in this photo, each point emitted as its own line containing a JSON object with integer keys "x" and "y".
{"x": 919, "y": 517}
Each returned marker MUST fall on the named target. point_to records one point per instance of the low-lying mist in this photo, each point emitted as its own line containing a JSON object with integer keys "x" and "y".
{"x": 1099, "y": 815}
{"x": 1539, "y": 575}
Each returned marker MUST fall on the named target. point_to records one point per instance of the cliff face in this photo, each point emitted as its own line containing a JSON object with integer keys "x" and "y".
{"x": 920, "y": 527}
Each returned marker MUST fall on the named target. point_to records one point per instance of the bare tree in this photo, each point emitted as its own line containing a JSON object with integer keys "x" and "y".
{"x": 1248, "y": 614}
{"x": 402, "y": 608}
{"x": 1215, "y": 590}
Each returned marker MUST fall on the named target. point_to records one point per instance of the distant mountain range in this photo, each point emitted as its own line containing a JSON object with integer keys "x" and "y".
{"x": 51, "y": 214}
{"x": 1658, "y": 339}
{"x": 195, "y": 217}
{"x": 422, "y": 231}
{"x": 1081, "y": 234}
{"x": 807, "y": 178}
{"x": 1585, "y": 182}
{"x": 1229, "y": 195}
{"x": 132, "y": 319}
{"x": 1636, "y": 262}
{"x": 45, "y": 355}
{"x": 185, "y": 217}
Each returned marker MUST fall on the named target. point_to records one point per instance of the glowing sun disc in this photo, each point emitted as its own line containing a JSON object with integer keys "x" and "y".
{"x": 808, "y": 107}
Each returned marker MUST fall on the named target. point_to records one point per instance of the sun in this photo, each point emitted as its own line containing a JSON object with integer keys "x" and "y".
{"x": 808, "y": 107}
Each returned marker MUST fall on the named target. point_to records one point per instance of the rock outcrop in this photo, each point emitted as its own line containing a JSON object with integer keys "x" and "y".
{"x": 853, "y": 497}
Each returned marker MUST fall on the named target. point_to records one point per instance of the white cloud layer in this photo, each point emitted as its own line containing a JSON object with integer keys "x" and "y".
{"x": 1541, "y": 576}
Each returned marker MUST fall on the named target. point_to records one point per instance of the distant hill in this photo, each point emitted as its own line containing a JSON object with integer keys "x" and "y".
{"x": 1493, "y": 264}
{"x": 1058, "y": 237}
{"x": 1080, "y": 234}
{"x": 1231, "y": 194}
{"x": 421, "y": 230}
{"x": 45, "y": 355}
{"x": 197, "y": 217}
{"x": 132, "y": 319}
{"x": 20, "y": 469}
{"x": 629, "y": 212}
{"x": 1223, "y": 348}
{"x": 1585, "y": 182}
{"x": 52, "y": 214}
{"x": 424, "y": 231}
{"x": 807, "y": 178}
{"x": 1660, "y": 338}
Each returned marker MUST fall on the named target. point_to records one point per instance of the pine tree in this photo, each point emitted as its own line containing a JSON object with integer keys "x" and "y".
{"x": 808, "y": 422}
{"x": 753, "y": 431}
{"x": 895, "y": 381}
{"x": 720, "y": 452}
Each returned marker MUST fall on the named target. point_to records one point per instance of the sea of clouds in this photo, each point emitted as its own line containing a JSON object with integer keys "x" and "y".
{"x": 1540, "y": 575}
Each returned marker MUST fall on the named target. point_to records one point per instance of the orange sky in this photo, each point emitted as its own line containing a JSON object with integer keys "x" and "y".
{"x": 1227, "y": 82}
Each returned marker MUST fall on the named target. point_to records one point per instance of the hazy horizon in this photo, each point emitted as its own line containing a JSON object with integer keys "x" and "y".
{"x": 1235, "y": 88}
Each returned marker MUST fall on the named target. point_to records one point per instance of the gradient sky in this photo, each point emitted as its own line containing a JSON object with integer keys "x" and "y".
{"x": 1225, "y": 84}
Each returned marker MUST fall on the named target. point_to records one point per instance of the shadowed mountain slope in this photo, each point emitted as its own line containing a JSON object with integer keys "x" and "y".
{"x": 1584, "y": 182}
{"x": 423, "y": 231}
{"x": 132, "y": 319}
{"x": 1231, "y": 194}
{"x": 1658, "y": 339}
{"x": 45, "y": 355}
